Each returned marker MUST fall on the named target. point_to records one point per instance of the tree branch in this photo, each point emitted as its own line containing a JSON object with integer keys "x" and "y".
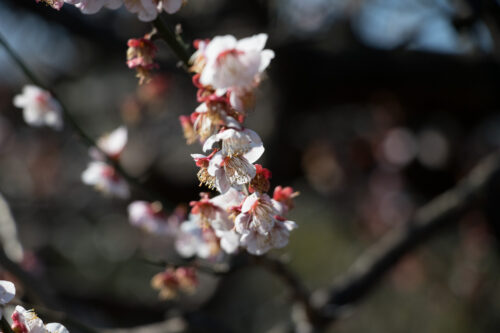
{"x": 371, "y": 266}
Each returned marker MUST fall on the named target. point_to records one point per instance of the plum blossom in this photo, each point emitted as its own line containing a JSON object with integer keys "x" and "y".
{"x": 26, "y": 321}
{"x": 105, "y": 179}
{"x": 231, "y": 63}
{"x": 173, "y": 280}
{"x": 140, "y": 55}
{"x": 148, "y": 10}
{"x": 258, "y": 244}
{"x": 152, "y": 218}
{"x": 93, "y": 6}
{"x": 7, "y": 293}
{"x": 232, "y": 164}
{"x": 56, "y": 4}
{"x": 283, "y": 199}
{"x": 40, "y": 108}
{"x": 257, "y": 214}
{"x": 193, "y": 240}
{"x": 112, "y": 144}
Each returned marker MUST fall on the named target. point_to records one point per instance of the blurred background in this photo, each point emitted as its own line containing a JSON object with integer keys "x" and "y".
{"x": 370, "y": 109}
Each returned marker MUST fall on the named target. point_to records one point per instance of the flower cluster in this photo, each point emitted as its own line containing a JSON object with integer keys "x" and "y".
{"x": 25, "y": 321}
{"x": 227, "y": 72}
{"x": 146, "y": 10}
{"x": 173, "y": 280}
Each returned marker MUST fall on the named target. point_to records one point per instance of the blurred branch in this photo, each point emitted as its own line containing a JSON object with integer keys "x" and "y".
{"x": 173, "y": 40}
{"x": 299, "y": 291}
{"x": 369, "y": 269}
{"x": 87, "y": 139}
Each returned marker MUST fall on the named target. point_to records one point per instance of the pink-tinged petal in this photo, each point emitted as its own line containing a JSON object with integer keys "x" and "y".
{"x": 242, "y": 223}
{"x": 56, "y": 328}
{"x": 265, "y": 59}
{"x": 215, "y": 164}
{"x": 210, "y": 142}
{"x": 172, "y": 6}
{"x": 229, "y": 241}
{"x": 256, "y": 42}
{"x": 255, "y": 243}
{"x": 250, "y": 202}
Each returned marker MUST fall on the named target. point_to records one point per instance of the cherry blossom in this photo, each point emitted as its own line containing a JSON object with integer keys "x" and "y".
{"x": 26, "y": 321}
{"x": 231, "y": 63}
{"x": 105, "y": 179}
{"x": 39, "y": 107}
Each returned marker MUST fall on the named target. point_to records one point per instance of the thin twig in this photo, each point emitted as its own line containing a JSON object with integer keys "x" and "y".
{"x": 81, "y": 133}
{"x": 173, "y": 40}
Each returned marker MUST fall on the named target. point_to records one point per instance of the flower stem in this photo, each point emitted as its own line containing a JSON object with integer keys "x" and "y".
{"x": 173, "y": 40}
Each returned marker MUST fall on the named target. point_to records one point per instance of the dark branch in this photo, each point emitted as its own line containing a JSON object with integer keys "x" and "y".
{"x": 368, "y": 270}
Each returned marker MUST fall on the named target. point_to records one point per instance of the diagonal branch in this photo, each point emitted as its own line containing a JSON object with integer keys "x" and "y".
{"x": 369, "y": 269}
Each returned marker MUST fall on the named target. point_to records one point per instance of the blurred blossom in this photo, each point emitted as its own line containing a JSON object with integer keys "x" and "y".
{"x": 409, "y": 274}
{"x": 131, "y": 110}
{"x": 306, "y": 17}
{"x": 111, "y": 144}
{"x": 322, "y": 169}
{"x": 154, "y": 90}
{"x": 399, "y": 147}
{"x": 106, "y": 180}
{"x": 433, "y": 149}
{"x": 39, "y": 107}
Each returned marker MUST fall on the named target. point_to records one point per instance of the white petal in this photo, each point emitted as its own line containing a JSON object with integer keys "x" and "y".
{"x": 56, "y": 328}
{"x": 7, "y": 291}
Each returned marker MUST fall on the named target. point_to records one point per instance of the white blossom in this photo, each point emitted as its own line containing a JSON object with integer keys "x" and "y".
{"x": 112, "y": 144}
{"x": 105, "y": 179}
{"x": 237, "y": 142}
{"x": 229, "y": 240}
{"x": 27, "y": 321}
{"x": 151, "y": 218}
{"x": 148, "y": 10}
{"x": 39, "y": 107}
{"x": 258, "y": 214}
{"x": 192, "y": 240}
{"x": 93, "y": 6}
{"x": 7, "y": 293}
{"x": 256, "y": 243}
{"x": 232, "y": 63}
